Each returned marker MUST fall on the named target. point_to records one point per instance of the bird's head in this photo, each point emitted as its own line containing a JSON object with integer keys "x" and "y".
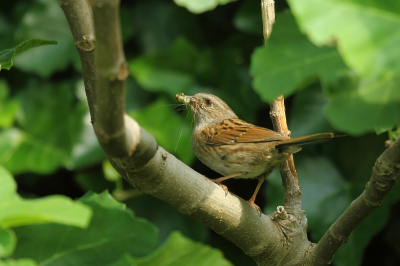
{"x": 207, "y": 109}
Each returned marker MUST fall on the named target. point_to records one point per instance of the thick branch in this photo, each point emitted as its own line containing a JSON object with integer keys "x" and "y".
{"x": 270, "y": 240}
{"x": 112, "y": 71}
{"x": 384, "y": 175}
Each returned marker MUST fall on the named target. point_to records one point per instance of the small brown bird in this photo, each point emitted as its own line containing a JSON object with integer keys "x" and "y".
{"x": 234, "y": 148}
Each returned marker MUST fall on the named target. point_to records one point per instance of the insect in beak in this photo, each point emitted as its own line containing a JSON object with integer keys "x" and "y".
{"x": 185, "y": 98}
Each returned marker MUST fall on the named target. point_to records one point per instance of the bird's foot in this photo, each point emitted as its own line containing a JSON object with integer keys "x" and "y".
{"x": 255, "y": 206}
{"x": 225, "y": 188}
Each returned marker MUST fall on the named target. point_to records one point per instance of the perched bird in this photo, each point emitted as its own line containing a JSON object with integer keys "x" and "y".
{"x": 234, "y": 148}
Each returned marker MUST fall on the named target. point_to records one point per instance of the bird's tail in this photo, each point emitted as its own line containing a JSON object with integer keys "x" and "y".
{"x": 293, "y": 145}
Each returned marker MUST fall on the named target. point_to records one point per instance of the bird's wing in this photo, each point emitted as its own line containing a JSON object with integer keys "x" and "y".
{"x": 232, "y": 131}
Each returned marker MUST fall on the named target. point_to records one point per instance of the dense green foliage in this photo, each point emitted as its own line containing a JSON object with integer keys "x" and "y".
{"x": 335, "y": 61}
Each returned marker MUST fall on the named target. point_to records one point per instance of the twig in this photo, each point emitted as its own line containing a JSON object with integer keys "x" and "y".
{"x": 292, "y": 193}
{"x": 384, "y": 175}
{"x": 268, "y": 17}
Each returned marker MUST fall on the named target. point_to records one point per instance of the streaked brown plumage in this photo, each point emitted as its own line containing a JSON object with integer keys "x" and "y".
{"x": 234, "y": 148}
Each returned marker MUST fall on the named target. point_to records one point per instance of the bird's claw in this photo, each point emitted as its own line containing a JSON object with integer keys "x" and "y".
{"x": 255, "y": 206}
{"x": 225, "y": 188}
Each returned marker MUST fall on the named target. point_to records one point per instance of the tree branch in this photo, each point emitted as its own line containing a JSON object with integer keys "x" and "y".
{"x": 104, "y": 75}
{"x": 112, "y": 71}
{"x": 268, "y": 17}
{"x": 269, "y": 240}
{"x": 80, "y": 21}
{"x": 292, "y": 192}
{"x": 384, "y": 175}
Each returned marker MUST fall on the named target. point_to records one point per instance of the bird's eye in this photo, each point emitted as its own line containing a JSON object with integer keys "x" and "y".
{"x": 208, "y": 102}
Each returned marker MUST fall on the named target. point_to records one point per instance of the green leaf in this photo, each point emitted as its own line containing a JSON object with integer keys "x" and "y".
{"x": 15, "y": 211}
{"x": 361, "y": 150}
{"x": 307, "y": 112}
{"x": 323, "y": 189}
{"x": 51, "y": 125}
{"x": 93, "y": 180}
{"x": 113, "y": 232}
{"x": 171, "y": 71}
{"x": 174, "y": 135}
{"x": 159, "y": 23}
{"x": 110, "y": 173}
{"x": 358, "y": 106}
{"x": 125, "y": 260}
{"x": 20, "y": 262}
{"x": 380, "y": 130}
{"x": 200, "y": 6}
{"x": 184, "y": 68}
{"x": 367, "y": 32}
{"x": 8, "y": 240}
{"x": 289, "y": 61}
{"x": 45, "y": 20}
{"x": 248, "y": 18}
{"x": 20, "y": 152}
{"x": 352, "y": 252}
{"x": 86, "y": 149}
{"x": 8, "y": 107}
{"x": 6, "y": 56}
{"x": 179, "y": 250}
{"x": 167, "y": 218}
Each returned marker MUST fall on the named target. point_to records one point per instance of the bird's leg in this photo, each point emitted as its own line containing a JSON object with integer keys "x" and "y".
{"x": 253, "y": 198}
{"x": 220, "y": 179}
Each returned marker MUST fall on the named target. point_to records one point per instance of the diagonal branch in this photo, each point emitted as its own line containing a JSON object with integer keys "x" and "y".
{"x": 384, "y": 175}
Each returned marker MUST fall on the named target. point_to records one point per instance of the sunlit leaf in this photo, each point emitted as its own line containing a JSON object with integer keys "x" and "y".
{"x": 358, "y": 106}
{"x": 20, "y": 262}
{"x": 289, "y": 61}
{"x": 200, "y": 6}
{"x": 8, "y": 240}
{"x": 113, "y": 232}
{"x": 179, "y": 250}
{"x": 8, "y": 107}
{"x": 15, "y": 211}
{"x": 367, "y": 33}
{"x": 20, "y": 152}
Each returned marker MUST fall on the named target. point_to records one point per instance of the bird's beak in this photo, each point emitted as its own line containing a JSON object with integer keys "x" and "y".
{"x": 185, "y": 98}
